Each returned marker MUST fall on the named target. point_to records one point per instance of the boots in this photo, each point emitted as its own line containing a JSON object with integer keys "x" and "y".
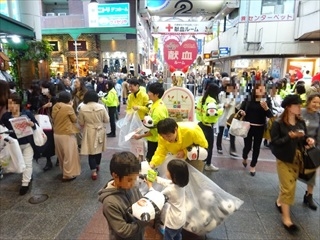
{"x": 48, "y": 165}
{"x": 307, "y": 199}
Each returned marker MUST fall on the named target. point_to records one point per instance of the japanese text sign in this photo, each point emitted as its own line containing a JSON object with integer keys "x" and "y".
{"x": 179, "y": 56}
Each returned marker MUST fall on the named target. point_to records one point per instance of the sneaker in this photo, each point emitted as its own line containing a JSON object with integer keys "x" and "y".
{"x": 161, "y": 229}
{"x": 211, "y": 168}
{"x": 234, "y": 154}
{"x": 220, "y": 151}
{"x": 23, "y": 190}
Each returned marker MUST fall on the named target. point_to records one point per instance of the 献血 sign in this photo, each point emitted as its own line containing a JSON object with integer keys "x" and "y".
{"x": 109, "y": 15}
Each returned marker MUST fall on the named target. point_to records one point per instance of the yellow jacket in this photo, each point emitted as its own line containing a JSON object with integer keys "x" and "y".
{"x": 140, "y": 99}
{"x": 201, "y": 111}
{"x": 111, "y": 100}
{"x": 188, "y": 133}
{"x": 158, "y": 111}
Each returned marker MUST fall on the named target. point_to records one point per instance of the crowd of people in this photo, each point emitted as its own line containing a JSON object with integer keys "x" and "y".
{"x": 80, "y": 108}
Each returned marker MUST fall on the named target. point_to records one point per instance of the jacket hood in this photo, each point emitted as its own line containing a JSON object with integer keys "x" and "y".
{"x": 108, "y": 190}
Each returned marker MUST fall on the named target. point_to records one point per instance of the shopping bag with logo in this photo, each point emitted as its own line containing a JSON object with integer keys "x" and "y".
{"x": 239, "y": 127}
{"x": 11, "y": 158}
{"x": 39, "y": 137}
{"x": 44, "y": 122}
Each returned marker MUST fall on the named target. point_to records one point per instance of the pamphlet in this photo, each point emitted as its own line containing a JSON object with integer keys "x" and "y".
{"x": 20, "y": 127}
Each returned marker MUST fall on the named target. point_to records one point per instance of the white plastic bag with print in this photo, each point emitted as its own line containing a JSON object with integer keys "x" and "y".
{"x": 129, "y": 125}
{"x": 207, "y": 205}
{"x": 11, "y": 158}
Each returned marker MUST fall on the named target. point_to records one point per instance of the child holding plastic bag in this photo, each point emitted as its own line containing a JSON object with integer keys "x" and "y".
{"x": 14, "y": 110}
{"x": 175, "y": 216}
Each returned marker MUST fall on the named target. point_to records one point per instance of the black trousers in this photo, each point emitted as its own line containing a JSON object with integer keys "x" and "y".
{"x": 208, "y": 133}
{"x": 232, "y": 140}
{"x": 255, "y": 135}
{"x": 152, "y": 147}
{"x": 112, "y": 115}
{"x": 94, "y": 161}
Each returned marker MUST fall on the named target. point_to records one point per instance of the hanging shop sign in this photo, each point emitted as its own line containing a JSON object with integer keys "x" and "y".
{"x": 109, "y": 15}
{"x": 224, "y": 51}
{"x": 179, "y": 55}
{"x": 181, "y": 28}
{"x": 81, "y": 45}
{"x": 182, "y": 7}
{"x": 268, "y": 18}
{"x": 54, "y": 45}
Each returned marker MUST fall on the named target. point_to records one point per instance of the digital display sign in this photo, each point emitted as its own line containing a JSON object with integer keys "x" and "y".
{"x": 109, "y": 15}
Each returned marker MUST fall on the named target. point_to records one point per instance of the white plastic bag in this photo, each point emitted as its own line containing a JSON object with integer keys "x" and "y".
{"x": 239, "y": 128}
{"x": 44, "y": 121}
{"x": 127, "y": 125}
{"x": 207, "y": 205}
{"x": 39, "y": 137}
{"x": 11, "y": 158}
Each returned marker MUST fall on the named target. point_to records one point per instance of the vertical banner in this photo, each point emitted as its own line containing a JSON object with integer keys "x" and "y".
{"x": 156, "y": 44}
{"x": 199, "y": 41}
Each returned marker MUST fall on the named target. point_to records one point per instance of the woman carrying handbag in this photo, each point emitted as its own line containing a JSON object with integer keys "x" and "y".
{"x": 311, "y": 116}
{"x": 288, "y": 140}
{"x": 47, "y": 101}
{"x": 255, "y": 110}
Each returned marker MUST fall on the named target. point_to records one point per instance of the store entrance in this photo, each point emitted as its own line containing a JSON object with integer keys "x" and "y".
{"x": 83, "y": 66}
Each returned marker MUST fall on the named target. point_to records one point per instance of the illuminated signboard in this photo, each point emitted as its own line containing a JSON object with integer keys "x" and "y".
{"x": 109, "y": 15}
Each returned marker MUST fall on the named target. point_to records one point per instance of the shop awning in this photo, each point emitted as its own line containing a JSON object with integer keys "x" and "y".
{"x": 76, "y": 32}
{"x": 13, "y": 27}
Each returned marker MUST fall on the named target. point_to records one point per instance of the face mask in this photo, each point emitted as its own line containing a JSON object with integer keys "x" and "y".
{"x": 45, "y": 91}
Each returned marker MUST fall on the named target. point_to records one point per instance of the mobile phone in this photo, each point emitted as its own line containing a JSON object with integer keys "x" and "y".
{"x": 300, "y": 130}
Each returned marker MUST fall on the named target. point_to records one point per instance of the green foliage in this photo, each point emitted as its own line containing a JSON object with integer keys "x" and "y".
{"x": 35, "y": 51}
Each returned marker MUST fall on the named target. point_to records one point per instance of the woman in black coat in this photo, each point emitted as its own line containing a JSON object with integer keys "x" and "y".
{"x": 288, "y": 139}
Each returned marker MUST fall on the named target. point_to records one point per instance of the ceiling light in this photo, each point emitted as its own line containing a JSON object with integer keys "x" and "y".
{"x": 15, "y": 39}
{"x": 93, "y": 1}
{"x": 4, "y": 40}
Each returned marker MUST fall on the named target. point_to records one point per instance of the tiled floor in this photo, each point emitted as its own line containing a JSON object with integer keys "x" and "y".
{"x": 72, "y": 210}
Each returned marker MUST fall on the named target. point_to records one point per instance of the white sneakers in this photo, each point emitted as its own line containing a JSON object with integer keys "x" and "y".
{"x": 211, "y": 168}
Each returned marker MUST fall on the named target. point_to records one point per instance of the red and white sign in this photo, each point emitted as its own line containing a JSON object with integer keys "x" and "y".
{"x": 182, "y": 28}
{"x": 180, "y": 56}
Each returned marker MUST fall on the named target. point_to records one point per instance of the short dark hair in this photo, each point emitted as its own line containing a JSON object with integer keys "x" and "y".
{"x": 124, "y": 164}
{"x": 179, "y": 172}
{"x": 50, "y": 86}
{"x": 167, "y": 125}
{"x": 134, "y": 81}
{"x": 16, "y": 98}
{"x": 64, "y": 97}
{"x": 156, "y": 88}
{"x": 90, "y": 96}
{"x": 110, "y": 84}
{"x": 300, "y": 88}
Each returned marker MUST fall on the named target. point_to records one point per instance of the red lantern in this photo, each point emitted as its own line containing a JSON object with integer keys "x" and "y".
{"x": 172, "y": 69}
{"x": 185, "y": 69}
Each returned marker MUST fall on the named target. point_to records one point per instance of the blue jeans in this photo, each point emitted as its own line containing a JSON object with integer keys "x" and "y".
{"x": 172, "y": 234}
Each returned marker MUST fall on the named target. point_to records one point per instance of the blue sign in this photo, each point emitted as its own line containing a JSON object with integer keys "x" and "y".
{"x": 199, "y": 45}
{"x": 224, "y": 51}
{"x": 109, "y": 15}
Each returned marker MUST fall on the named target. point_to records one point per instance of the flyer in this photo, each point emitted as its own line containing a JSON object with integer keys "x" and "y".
{"x": 20, "y": 127}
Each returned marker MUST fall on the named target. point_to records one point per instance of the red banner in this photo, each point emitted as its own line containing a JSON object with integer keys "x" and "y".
{"x": 180, "y": 56}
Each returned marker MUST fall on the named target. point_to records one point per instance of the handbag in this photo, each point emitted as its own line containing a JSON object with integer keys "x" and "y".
{"x": 44, "y": 121}
{"x": 39, "y": 137}
{"x": 238, "y": 127}
{"x": 311, "y": 158}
